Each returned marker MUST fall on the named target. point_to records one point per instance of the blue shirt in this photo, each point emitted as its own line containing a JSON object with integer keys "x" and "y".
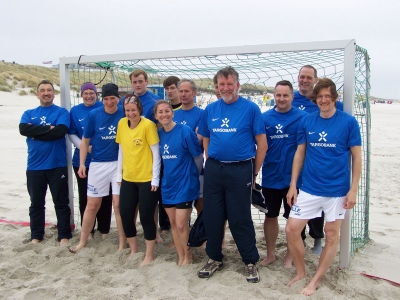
{"x": 303, "y": 103}
{"x": 44, "y": 155}
{"x": 326, "y": 169}
{"x": 101, "y": 128}
{"x": 232, "y": 129}
{"x": 78, "y": 121}
{"x": 281, "y": 131}
{"x": 180, "y": 181}
{"x": 189, "y": 117}
{"x": 148, "y": 100}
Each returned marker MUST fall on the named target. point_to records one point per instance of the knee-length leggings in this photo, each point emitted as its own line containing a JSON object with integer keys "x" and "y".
{"x": 133, "y": 194}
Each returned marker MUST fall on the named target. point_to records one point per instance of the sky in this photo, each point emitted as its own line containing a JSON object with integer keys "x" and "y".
{"x": 35, "y": 31}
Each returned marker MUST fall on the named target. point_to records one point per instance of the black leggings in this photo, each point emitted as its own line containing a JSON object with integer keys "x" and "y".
{"x": 132, "y": 194}
{"x": 104, "y": 214}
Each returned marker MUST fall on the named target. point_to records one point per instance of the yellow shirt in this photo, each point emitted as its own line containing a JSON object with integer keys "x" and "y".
{"x": 137, "y": 163}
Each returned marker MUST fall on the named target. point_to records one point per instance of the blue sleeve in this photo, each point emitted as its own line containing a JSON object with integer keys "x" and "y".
{"x": 89, "y": 128}
{"x": 258, "y": 122}
{"x": 203, "y": 129}
{"x": 355, "y": 135}
{"x": 192, "y": 142}
{"x": 63, "y": 118}
{"x": 26, "y": 117}
{"x": 339, "y": 105}
{"x": 301, "y": 132}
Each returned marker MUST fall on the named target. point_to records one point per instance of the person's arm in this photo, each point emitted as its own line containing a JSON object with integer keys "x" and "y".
{"x": 206, "y": 143}
{"x": 47, "y": 133}
{"x": 155, "y": 181}
{"x": 262, "y": 147}
{"x": 298, "y": 161}
{"x": 356, "y": 159}
{"x": 83, "y": 151}
{"x": 75, "y": 140}
{"x": 119, "y": 164}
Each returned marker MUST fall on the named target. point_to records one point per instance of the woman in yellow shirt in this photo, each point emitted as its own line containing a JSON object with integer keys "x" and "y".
{"x": 139, "y": 173}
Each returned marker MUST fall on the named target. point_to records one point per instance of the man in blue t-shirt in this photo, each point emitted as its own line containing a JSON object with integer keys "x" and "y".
{"x": 325, "y": 141}
{"x": 139, "y": 81}
{"x": 306, "y": 80}
{"x": 231, "y": 128}
{"x": 45, "y": 128}
{"x": 190, "y": 115}
{"x": 281, "y": 125}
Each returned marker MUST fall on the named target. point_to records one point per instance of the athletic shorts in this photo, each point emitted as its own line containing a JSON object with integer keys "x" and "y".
{"x": 309, "y": 207}
{"x": 274, "y": 199}
{"x": 182, "y": 205}
{"x": 100, "y": 176}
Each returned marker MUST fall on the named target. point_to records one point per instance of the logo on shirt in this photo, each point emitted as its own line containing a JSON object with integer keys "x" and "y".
{"x": 323, "y": 141}
{"x": 112, "y": 129}
{"x": 224, "y": 126}
{"x": 111, "y": 133}
{"x": 302, "y": 107}
{"x": 183, "y": 122}
{"x": 279, "y": 133}
{"x": 322, "y": 135}
{"x": 138, "y": 142}
{"x": 43, "y": 121}
{"x": 279, "y": 128}
{"x": 215, "y": 119}
{"x": 166, "y": 154}
{"x": 33, "y": 118}
{"x": 80, "y": 120}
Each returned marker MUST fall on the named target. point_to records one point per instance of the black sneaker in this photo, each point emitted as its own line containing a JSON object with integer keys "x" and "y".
{"x": 251, "y": 273}
{"x": 209, "y": 268}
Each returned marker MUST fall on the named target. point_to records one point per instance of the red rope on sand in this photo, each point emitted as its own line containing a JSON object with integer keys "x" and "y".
{"x": 21, "y": 223}
{"x": 377, "y": 277}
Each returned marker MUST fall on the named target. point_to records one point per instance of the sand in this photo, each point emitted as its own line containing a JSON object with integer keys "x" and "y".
{"x": 48, "y": 271}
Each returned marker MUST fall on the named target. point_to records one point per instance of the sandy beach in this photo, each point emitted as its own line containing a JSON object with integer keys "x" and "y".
{"x": 48, "y": 271}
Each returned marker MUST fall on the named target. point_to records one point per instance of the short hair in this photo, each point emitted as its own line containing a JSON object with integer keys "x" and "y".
{"x": 192, "y": 84}
{"x": 138, "y": 72}
{"x": 170, "y": 81}
{"x": 309, "y": 67}
{"x": 158, "y": 103}
{"x": 135, "y": 100}
{"x": 215, "y": 79}
{"x": 285, "y": 83}
{"x": 44, "y": 81}
{"x": 323, "y": 83}
{"x": 225, "y": 72}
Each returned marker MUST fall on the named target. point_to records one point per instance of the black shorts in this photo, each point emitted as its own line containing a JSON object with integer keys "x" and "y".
{"x": 182, "y": 205}
{"x": 274, "y": 198}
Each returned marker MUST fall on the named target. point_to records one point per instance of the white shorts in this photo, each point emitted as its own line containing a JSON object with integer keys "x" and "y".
{"x": 309, "y": 207}
{"x": 101, "y": 174}
{"x": 201, "y": 179}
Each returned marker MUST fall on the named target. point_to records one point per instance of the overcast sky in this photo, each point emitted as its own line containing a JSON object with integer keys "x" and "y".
{"x": 36, "y": 31}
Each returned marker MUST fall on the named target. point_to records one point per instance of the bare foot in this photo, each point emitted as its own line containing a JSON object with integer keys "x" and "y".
{"x": 64, "y": 242}
{"x": 90, "y": 236}
{"x": 133, "y": 251}
{"x": 122, "y": 247}
{"x": 146, "y": 261}
{"x": 77, "y": 248}
{"x": 171, "y": 245}
{"x": 268, "y": 260}
{"x": 103, "y": 235}
{"x": 35, "y": 241}
{"x": 309, "y": 289}
{"x": 296, "y": 278}
{"x": 187, "y": 262}
{"x": 288, "y": 261}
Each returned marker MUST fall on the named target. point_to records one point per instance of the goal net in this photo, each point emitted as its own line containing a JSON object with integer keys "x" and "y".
{"x": 259, "y": 68}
